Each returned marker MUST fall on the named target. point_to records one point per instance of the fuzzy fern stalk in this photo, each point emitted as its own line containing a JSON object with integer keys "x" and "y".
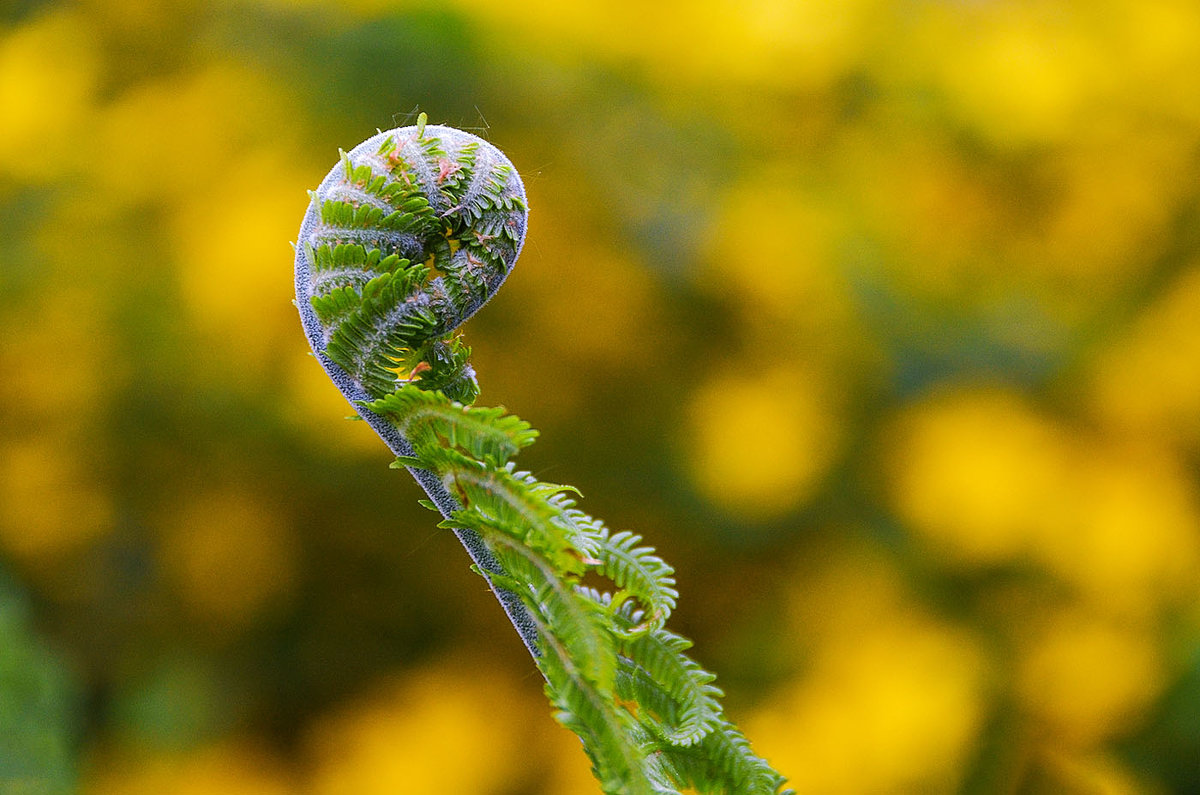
{"x": 407, "y": 237}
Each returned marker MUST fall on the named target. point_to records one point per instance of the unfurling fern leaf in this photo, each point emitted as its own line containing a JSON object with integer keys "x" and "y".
{"x": 408, "y": 235}
{"x": 637, "y": 571}
{"x": 487, "y": 434}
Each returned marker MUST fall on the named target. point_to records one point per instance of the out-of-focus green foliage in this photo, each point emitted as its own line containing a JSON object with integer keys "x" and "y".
{"x": 879, "y": 318}
{"x": 37, "y": 708}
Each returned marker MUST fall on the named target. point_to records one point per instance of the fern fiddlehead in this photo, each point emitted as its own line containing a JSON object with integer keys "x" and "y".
{"x": 407, "y": 237}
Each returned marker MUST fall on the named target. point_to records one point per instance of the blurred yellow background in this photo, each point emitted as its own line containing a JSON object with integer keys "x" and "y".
{"x": 879, "y": 318}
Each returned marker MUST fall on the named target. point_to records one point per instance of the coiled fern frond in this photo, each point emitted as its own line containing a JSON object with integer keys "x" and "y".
{"x": 407, "y": 237}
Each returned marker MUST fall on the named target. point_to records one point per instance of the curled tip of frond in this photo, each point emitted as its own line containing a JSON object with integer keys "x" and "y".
{"x": 446, "y": 203}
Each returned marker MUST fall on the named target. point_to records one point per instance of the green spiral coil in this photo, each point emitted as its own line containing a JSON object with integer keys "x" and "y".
{"x": 406, "y": 238}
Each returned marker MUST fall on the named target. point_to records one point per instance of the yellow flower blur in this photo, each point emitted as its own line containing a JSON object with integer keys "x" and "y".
{"x": 759, "y": 444}
{"x": 891, "y": 698}
{"x": 985, "y": 480}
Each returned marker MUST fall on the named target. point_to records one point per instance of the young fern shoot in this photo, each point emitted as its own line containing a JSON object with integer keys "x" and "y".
{"x": 406, "y": 238}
